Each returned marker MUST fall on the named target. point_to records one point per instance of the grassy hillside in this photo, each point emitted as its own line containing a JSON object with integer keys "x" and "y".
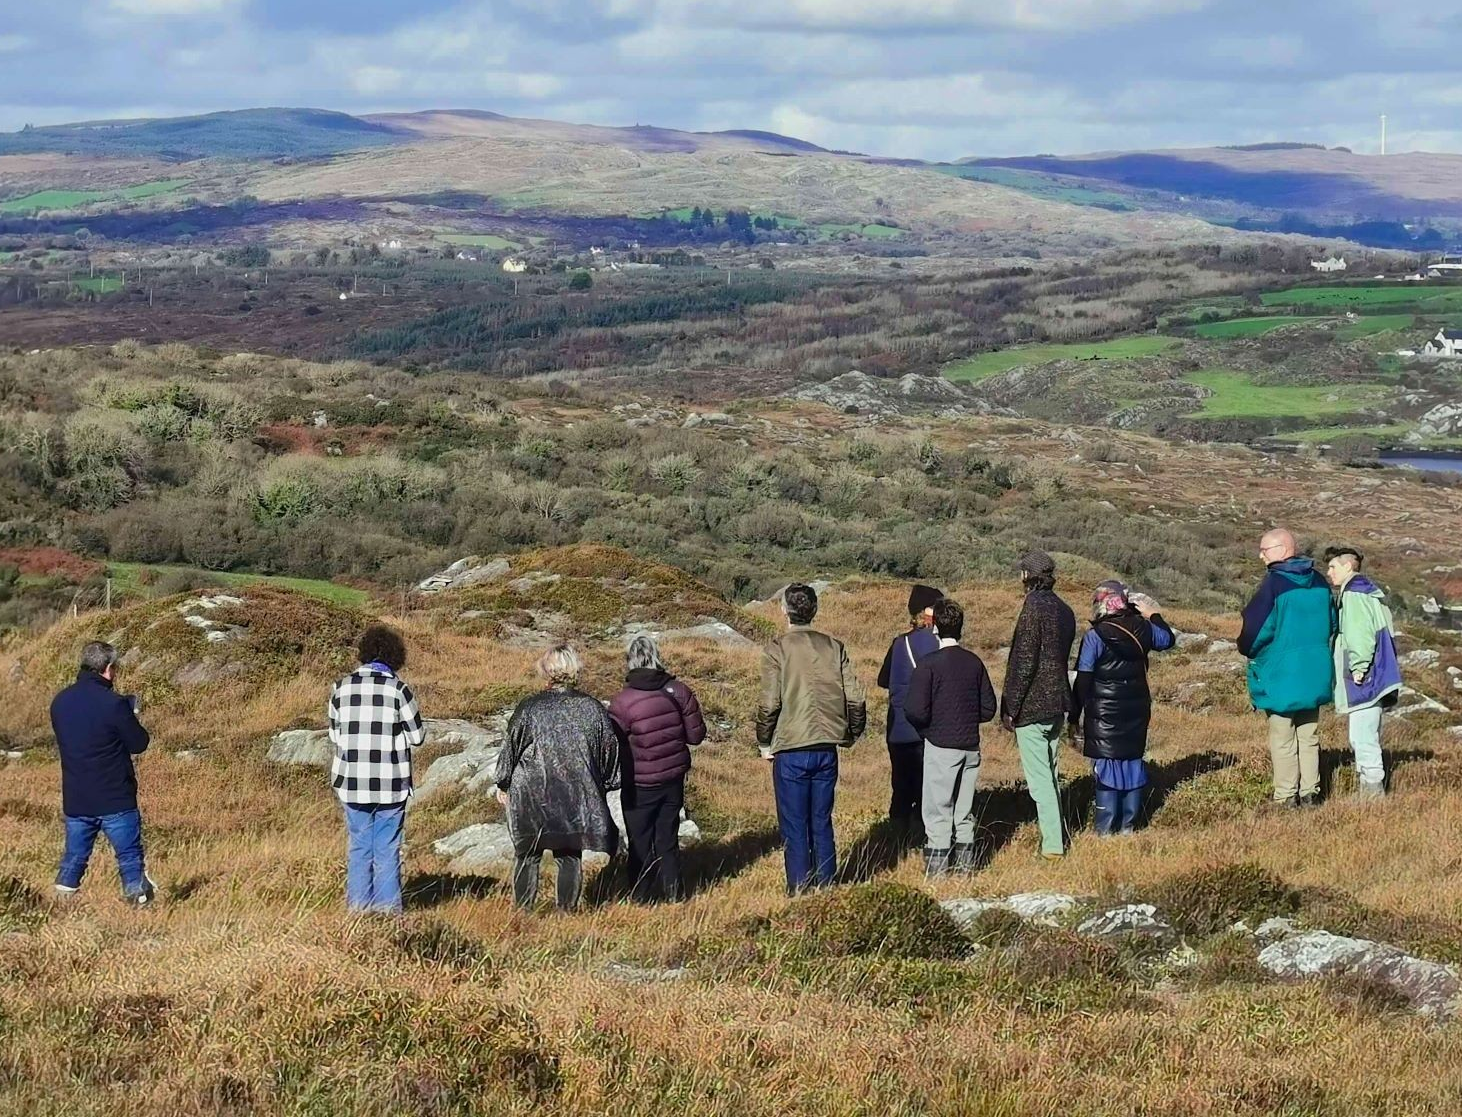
{"x": 247, "y": 989}
{"x": 241, "y": 134}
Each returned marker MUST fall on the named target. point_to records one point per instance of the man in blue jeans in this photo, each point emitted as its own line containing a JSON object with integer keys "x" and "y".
{"x": 811, "y": 705}
{"x": 98, "y": 734}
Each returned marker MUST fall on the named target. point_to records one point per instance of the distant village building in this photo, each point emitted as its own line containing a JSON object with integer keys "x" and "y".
{"x": 1450, "y": 265}
{"x": 596, "y": 251}
{"x": 472, "y": 256}
{"x": 1447, "y": 343}
{"x": 515, "y": 264}
{"x": 1334, "y": 263}
{"x": 391, "y": 244}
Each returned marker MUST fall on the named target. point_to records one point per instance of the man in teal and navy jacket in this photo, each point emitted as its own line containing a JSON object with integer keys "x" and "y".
{"x": 1287, "y": 633}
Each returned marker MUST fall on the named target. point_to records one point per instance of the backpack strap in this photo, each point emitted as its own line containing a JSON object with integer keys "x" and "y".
{"x": 909, "y": 650}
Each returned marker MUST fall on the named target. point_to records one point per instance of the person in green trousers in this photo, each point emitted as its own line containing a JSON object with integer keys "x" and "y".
{"x": 1037, "y": 695}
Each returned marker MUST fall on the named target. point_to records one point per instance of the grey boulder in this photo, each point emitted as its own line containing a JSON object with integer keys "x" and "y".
{"x": 1431, "y": 988}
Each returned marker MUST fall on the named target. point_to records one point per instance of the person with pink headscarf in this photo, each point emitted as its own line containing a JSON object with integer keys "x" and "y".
{"x": 1113, "y": 706}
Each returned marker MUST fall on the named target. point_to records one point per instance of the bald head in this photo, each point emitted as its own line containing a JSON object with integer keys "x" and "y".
{"x": 1277, "y": 545}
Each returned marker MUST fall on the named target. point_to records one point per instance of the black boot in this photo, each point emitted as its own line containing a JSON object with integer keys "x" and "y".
{"x": 962, "y": 858}
{"x": 936, "y": 862}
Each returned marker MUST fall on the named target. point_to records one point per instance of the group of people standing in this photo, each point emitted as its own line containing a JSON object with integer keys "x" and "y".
{"x": 940, "y": 697}
{"x": 565, "y": 751}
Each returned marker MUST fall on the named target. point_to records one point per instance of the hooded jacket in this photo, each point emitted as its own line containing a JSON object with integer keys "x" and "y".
{"x": 660, "y": 719}
{"x": 1365, "y": 645}
{"x": 1288, "y": 626}
{"x": 903, "y": 656}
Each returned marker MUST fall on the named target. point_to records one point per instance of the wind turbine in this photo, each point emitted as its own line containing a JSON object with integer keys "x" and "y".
{"x": 1383, "y": 133}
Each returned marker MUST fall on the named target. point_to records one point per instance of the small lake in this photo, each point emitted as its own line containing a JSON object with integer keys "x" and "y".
{"x": 1435, "y": 463}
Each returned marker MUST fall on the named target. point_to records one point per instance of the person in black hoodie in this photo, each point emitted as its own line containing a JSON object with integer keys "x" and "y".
{"x": 949, "y": 698}
{"x": 905, "y": 743}
{"x": 1113, "y": 702}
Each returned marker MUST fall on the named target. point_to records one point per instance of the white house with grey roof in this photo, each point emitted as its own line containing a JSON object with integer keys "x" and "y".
{"x": 1447, "y": 343}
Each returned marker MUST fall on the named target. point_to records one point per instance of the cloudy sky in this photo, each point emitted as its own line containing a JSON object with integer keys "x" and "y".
{"x": 928, "y": 78}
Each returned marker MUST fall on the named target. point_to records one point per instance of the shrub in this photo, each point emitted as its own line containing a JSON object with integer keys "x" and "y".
{"x": 881, "y": 919}
{"x": 1209, "y": 901}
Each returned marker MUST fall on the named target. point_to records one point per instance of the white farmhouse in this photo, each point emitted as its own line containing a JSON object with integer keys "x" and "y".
{"x": 1447, "y": 343}
{"x": 1333, "y": 263}
{"x": 469, "y": 256}
{"x": 515, "y": 264}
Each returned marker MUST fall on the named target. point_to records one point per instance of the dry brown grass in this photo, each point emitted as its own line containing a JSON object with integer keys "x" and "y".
{"x": 247, "y": 990}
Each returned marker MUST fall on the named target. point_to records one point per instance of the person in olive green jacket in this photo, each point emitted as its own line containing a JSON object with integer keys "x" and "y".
{"x": 811, "y": 705}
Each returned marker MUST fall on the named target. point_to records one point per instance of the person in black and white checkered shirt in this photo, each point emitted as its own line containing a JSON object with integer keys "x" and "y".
{"x": 374, "y": 725}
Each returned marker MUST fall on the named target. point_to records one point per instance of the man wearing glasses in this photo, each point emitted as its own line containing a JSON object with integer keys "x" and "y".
{"x": 1287, "y": 634}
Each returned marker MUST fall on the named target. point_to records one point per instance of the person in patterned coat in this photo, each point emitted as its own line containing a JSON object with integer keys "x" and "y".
{"x": 560, "y": 757}
{"x": 374, "y": 725}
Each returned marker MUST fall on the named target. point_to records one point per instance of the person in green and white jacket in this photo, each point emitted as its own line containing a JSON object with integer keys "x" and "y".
{"x": 1367, "y": 673}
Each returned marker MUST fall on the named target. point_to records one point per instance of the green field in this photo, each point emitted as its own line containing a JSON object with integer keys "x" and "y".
{"x": 99, "y": 284}
{"x": 125, "y": 580}
{"x": 1425, "y": 296}
{"x": 1251, "y": 327}
{"x": 1350, "y": 331}
{"x": 1039, "y": 186}
{"x": 479, "y": 240}
{"x": 984, "y": 365}
{"x": 1236, "y": 396}
{"x": 872, "y": 232}
{"x": 72, "y": 199}
{"x": 1374, "y": 324}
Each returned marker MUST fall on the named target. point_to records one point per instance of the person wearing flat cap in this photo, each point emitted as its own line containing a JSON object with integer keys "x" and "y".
{"x": 905, "y": 743}
{"x": 1037, "y": 696}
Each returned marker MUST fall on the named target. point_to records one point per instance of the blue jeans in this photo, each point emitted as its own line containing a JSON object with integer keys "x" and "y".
{"x": 804, "y": 781}
{"x": 373, "y": 859}
{"x": 123, "y": 831}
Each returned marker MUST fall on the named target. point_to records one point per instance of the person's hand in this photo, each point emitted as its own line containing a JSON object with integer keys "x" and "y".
{"x": 1358, "y": 676}
{"x": 1008, "y": 722}
{"x": 1145, "y": 605}
{"x": 502, "y": 797}
{"x": 136, "y": 701}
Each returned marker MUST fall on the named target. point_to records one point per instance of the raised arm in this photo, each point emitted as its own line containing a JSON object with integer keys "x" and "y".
{"x": 129, "y": 729}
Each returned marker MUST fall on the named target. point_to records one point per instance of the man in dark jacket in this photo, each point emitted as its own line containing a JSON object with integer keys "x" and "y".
{"x": 660, "y": 720}
{"x": 811, "y": 705}
{"x": 1037, "y": 695}
{"x": 905, "y": 743}
{"x": 1288, "y": 626}
{"x": 949, "y": 698}
{"x": 97, "y": 733}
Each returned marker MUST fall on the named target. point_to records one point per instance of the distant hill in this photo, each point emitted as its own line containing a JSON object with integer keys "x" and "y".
{"x": 243, "y": 134}
{"x": 640, "y": 137}
{"x": 1298, "y": 178}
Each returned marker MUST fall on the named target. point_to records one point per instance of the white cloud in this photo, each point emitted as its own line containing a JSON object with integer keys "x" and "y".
{"x": 172, "y": 7}
{"x": 891, "y": 16}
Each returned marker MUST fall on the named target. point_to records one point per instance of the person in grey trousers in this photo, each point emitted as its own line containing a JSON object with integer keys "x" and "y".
{"x": 949, "y": 698}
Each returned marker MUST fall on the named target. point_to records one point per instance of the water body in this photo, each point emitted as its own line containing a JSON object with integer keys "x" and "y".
{"x": 1434, "y": 463}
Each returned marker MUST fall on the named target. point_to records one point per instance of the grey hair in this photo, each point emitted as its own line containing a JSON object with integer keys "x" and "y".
{"x": 97, "y": 656}
{"x": 560, "y": 665}
{"x": 643, "y": 652}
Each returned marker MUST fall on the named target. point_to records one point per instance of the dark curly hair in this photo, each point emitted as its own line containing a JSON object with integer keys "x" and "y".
{"x": 382, "y": 644}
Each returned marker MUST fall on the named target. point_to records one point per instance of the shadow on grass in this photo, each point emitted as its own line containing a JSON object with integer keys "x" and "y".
{"x": 702, "y": 865}
{"x": 1334, "y": 762}
{"x": 1165, "y": 778}
{"x": 427, "y": 890}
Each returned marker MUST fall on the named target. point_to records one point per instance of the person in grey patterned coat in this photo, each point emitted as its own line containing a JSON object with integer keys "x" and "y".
{"x": 560, "y": 757}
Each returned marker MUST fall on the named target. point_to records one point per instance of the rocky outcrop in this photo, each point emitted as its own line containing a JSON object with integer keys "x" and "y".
{"x": 471, "y": 767}
{"x": 464, "y": 572}
{"x": 302, "y": 746}
{"x": 1431, "y": 988}
{"x": 858, "y": 393}
{"x": 1044, "y": 908}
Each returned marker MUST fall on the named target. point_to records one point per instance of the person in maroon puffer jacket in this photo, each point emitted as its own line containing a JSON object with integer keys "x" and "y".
{"x": 660, "y": 720}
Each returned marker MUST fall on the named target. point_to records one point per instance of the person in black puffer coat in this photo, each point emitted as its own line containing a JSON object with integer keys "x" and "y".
{"x": 1113, "y": 702}
{"x": 660, "y": 720}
